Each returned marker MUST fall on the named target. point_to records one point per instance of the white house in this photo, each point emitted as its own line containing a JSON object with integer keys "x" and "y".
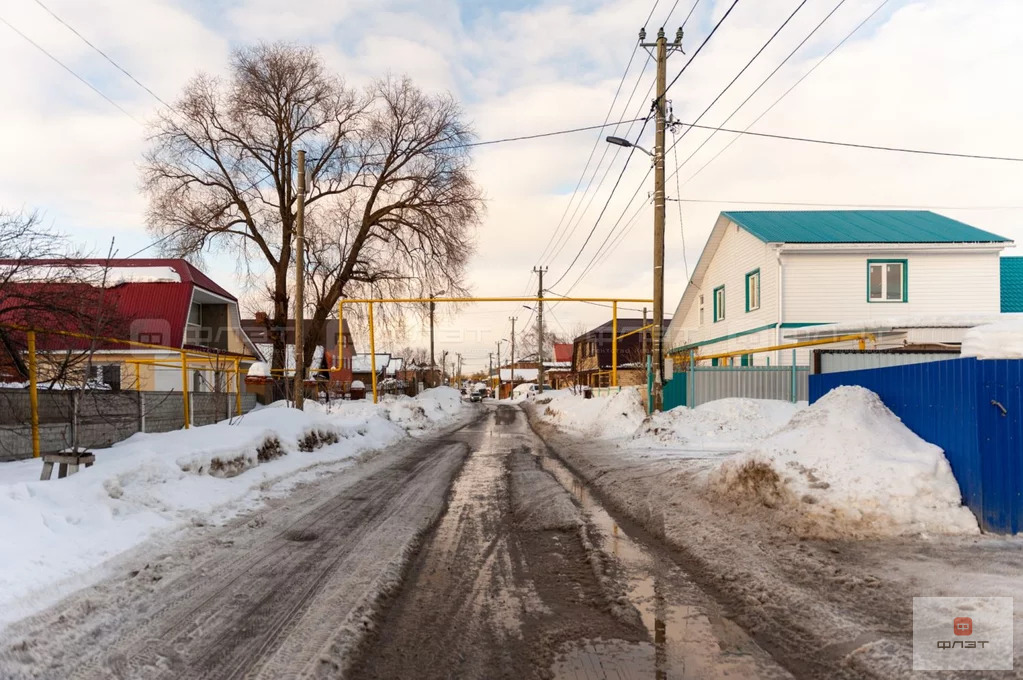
{"x": 764, "y": 273}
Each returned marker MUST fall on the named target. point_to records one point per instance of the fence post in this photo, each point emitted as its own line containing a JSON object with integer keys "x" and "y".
{"x": 184, "y": 391}
{"x": 794, "y": 376}
{"x": 691, "y": 380}
{"x": 74, "y": 420}
{"x": 142, "y": 411}
{"x": 649, "y": 385}
{"x": 33, "y": 391}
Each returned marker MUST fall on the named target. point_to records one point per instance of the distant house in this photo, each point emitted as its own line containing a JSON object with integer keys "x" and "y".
{"x": 362, "y": 368}
{"x": 260, "y": 330}
{"x": 166, "y": 302}
{"x": 764, "y": 274}
{"x": 592, "y": 354}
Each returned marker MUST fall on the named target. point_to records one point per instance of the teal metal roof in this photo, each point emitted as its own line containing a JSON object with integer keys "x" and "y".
{"x": 1012, "y": 284}
{"x": 858, "y": 226}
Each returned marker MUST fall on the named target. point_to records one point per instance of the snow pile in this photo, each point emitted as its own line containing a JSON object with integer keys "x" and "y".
{"x": 156, "y": 482}
{"x": 1000, "y": 340}
{"x": 259, "y": 369}
{"x": 725, "y": 424}
{"x": 612, "y": 417}
{"x": 432, "y": 407}
{"x": 848, "y": 466}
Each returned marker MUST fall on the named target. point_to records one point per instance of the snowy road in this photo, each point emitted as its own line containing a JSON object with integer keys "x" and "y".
{"x": 274, "y": 595}
{"x": 470, "y": 554}
{"x": 528, "y": 576}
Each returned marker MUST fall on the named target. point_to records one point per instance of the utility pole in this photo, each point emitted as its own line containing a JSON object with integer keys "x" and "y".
{"x": 498, "y": 369}
{"x": 539, "y": 322}
{"x": 443, "y": 366}
{"x": 458, "y": 372}
{"x": 663, "y": 49}
{"x": 300, "y": 285}
{"x": 490, "y": 373}
{"x": 513, "y": 351}
{"x": 433, "y": 364}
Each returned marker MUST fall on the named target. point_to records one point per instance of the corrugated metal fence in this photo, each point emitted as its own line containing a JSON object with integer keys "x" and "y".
{"x": 973, "y": 410}
{"x": 707, "y": 383}
{"x": 101, "y": 418}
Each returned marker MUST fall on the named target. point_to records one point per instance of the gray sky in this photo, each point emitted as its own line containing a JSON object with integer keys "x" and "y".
{"x": 934, "y": 74}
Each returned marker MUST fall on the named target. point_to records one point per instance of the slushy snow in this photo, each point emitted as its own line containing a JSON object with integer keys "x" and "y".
{"x": 151, "y": 483}
{"x": 850, "y": 466}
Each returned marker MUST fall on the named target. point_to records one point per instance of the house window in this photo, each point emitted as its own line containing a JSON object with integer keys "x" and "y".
{"x": 719, "y": 304}
{"x": 753, "y": 291}
{"x": 701, "y": 310}
{"x": 887, "y": 281}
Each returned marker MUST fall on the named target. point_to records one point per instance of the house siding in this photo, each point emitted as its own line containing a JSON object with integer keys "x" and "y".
{"x": 738, "y": 254}
{"x": 833, "y": 286}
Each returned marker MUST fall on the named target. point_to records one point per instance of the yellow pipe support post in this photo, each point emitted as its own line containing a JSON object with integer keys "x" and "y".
{"x": 339, "y": 364}
{"x": 33, "y": 391}
{"x": 237, "y": 387}
{"x": 614, "y": 345}
{"x": 372, "y": 354}
{"x": 138, "y": 378}
{"x": 184, "y": 390}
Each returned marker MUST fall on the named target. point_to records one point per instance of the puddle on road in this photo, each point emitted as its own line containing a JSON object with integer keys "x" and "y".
{"x": 690, "y": 637}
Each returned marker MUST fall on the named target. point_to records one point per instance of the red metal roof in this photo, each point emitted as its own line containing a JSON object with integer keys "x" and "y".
{"x": 563, "y": 351}
{"x": 151, "y": 312}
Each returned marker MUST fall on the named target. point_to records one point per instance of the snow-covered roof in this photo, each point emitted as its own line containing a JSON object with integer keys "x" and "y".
{"x": 525, "y": 374}
{"x": 361, "y": 362}
{"x": 1000, "y": 340}
{"x": 896, "y": 323}
{"x": 267, "y": 351}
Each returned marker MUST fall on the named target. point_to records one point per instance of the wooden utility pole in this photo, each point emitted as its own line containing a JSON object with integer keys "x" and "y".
{"x": 490, "y": 373}
{"x": 539, "y": 323}
{"x": 512, "y": 318}
{"x": 300, "y": 285}
{"x": 662, "y": 50}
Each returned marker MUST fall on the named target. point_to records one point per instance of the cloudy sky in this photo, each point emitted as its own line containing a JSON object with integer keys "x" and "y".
{"x": 933, "y": 74}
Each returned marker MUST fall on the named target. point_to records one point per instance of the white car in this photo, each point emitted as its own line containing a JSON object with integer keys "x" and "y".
{"x": 534, "y": 390}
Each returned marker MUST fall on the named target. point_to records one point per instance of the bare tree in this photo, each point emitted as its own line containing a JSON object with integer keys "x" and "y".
{"x": 391, "y": 206}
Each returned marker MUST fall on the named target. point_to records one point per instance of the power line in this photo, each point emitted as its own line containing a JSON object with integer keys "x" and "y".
{"x": 593, "y": 150}
{"x": 854, "y": 145}
{"x": 743, "y": 69}
{"x": 69, "y": 70}
{"x": 705, "y": 41}
{"x": 681, "y": 226}
{"x": 103, "y": 54}
{"x": 761, "y": 85}
{"x": 792, "y": 87}
{"x": 602, "y": 210}
{"x": 681, "y": 71}
{"x": 866, "y": 206}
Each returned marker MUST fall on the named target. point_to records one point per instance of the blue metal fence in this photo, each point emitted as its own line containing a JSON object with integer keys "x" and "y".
{"x": 973, "y": 410}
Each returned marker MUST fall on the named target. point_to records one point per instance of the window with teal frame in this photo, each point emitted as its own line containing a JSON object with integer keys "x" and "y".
{"x": 887, "y": 281}
{"x": 719, "y": 304}
{"x": 753, "y": 291}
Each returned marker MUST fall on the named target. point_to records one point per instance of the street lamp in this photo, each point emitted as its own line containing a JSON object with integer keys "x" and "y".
{"x": 620, "y": 141}
{"x": 433, "y": 364}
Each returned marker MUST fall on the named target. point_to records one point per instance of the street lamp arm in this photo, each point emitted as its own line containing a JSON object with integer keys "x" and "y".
{"x": 621, "y": 141}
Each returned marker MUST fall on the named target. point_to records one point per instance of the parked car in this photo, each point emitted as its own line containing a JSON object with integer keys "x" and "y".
{"x": 477, "y": 395}
{"x": 534, "y": 390}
